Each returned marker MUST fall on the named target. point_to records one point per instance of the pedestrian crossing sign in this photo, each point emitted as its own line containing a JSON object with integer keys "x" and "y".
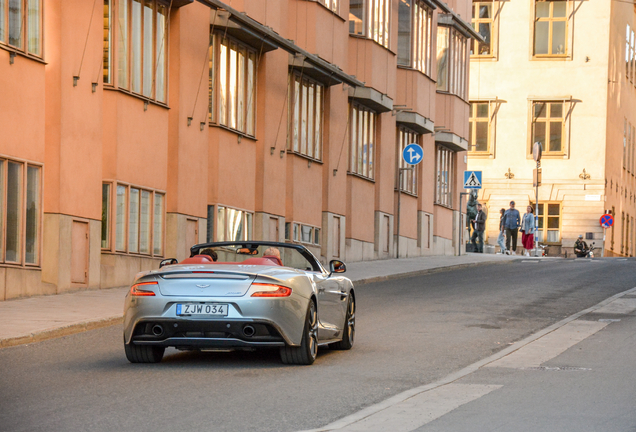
{"x": 472, "y": 179}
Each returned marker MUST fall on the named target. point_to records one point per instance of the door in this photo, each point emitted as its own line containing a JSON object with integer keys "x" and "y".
{"x": 192, "y": 234}
{"x": 273, "y": 229}
{"x": 79, "y": 252}
{"x": 332, "y": 305}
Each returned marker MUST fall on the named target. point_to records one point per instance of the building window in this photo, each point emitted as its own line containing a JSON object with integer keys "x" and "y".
{"x": 409, "y": 178}
{"x": 415, "y": 24}
{"x": 549, "y": 232}
{"x": 362, "y": 149}
{"x": 452, "y": 62}
{"x": 303, "y": 233}
{"x": 630, "y": 54}
{"x": 445, "y": 173}
{"x": 482, "y": 21}
{"x": 142, "y": 32}
{"x": 20, "y": 212}
{"x": 21, "y": 25}
{"x": 548, "y": 126}
{"x": 232, "y": 81}
{"x": 305, "y": 116}
{"x": 139, "y": 216}
{"x": 550, "y": 28}
{"x": 370, "y": 18}
{"x": 106, "y": 216}
{"x": 330, "y": 4}
{"x": 233, "y": 224}
{"x": 479, "y": 128}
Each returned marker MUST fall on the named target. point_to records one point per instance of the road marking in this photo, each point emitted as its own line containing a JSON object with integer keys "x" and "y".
{"x": 400, "y": 397}
{"x": 550, "y": 345}
{"x": 619, "y": 306}
{"x": 423, "y": 408}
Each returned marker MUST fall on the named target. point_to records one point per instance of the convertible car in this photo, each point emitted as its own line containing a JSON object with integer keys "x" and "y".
{"x": 240, "y": 295}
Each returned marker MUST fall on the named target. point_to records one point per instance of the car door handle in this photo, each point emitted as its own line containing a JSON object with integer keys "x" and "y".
{"x": 321, "y": 290}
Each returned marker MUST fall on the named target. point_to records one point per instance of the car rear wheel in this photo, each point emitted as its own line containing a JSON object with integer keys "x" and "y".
{"x": 305, "y": 354}
{"x": 349, "y": 332}
{"x": 143, "y": 353}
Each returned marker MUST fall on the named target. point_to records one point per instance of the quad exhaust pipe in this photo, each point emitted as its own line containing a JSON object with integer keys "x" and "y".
{"x": 157, "y": 330}
{"x": 249, "y": 331}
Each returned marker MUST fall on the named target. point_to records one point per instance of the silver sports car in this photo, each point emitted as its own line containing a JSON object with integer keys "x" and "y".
{"x": 240, "y": 295}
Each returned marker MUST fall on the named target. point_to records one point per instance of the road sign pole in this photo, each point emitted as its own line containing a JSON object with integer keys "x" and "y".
{"x": 401, "y": 173}
{"x": 536, "y": 215}
{"x": 603, "y": 246}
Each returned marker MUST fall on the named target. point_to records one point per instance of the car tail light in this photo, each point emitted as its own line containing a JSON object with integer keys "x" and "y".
{"x": 271, "y": 290}
{"x": 136, "y": 291}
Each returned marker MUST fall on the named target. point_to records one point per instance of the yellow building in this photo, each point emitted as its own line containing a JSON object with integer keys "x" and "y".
{"x": 561, "y": 73}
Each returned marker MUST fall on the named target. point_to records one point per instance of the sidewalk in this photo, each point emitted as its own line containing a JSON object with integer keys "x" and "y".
{"x": 35, "y": 319}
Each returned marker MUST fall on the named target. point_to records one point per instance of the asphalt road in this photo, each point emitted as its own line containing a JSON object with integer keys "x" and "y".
{"x": 410, "y": 332}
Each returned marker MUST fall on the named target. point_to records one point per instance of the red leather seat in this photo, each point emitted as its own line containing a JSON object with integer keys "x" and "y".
{"x": 198, "y": 259}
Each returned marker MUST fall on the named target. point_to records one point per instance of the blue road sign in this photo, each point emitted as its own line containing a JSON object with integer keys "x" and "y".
{"x": 472, "y": 179}
{"x": 413, "y": 154}
{"x": 607, "y": 220}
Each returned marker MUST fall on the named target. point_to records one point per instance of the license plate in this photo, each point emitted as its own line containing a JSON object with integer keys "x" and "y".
{"x": 202, "y": 309}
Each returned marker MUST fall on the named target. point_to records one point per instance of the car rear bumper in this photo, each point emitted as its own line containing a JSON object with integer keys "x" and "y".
{"x": 227, "y": 333}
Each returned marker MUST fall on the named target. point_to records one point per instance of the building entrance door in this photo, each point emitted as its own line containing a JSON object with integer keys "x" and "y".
{"x": 192, "y": 235}
{"x": 273, "y": 229}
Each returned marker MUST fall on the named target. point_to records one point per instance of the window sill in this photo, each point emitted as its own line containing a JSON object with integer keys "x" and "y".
{"x": 560, "y": 57}
{"x": 446, "y": 206}
{"x": 357, "y": 36}
{"x": 550, "y": 156}
{"x": 412, "y": 69}
{"x": 485, "y": 58}
{"x": 333, "y": 12}
{"x": 234, "y": 131}
{"x": 481, "y": 155}
{"x": 21, "y": 266}
{"x": 21, "y": 53}
{"x": 130, "y": 254}
{"x": 110, "y": 87}
{"x": 446, "y": 92}
{"x": 304, "y": 156}
{"x": 360, "y": 176}
{"x": 405, "y": 192}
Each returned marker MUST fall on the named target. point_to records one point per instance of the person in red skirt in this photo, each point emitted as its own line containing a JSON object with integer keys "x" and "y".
{"x": 527, "y": 230}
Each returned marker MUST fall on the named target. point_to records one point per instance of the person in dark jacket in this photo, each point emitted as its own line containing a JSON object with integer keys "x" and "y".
{"x": 511, "y": 222}
{"x": 479, "y": 225}
{"x": 580, "y": 247}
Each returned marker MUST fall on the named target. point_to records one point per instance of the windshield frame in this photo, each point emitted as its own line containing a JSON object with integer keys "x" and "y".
{"x": 306, "y": 253}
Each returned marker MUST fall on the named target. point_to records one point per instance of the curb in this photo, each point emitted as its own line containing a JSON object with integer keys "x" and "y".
{"x": 425, "y": 272}
{"x": 61, "y": 331}
{"x": 84, "y": 326}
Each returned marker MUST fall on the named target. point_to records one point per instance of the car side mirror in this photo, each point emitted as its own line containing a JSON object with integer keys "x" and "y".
{"x": 168, "y": 261}
{"x": 337, "y": 266}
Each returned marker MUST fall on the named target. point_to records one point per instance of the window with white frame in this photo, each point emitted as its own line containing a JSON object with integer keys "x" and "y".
{"x": 362, "y": 141}
{"x": 445, "y": 167}
{"x": 483, "y": 23}
{"x": 140, "y": 28}
{"x": 409, "y": 177}
{"x": 20, "y": 212}
{"x": 305, "y": 116}
{"x": 550, "y": 28}
{"x": 415, "y": 24}
{"x": 452, "y": 61}
{"x": 232, "y": 84}
{"x": 330, "y": 4}
{"x": 21, "y": 25}
{"x": 548, "y": 126}
{"x": 139, "y": 219}
{"x": 371, "y": 19}
{"x": 233, "y": 224}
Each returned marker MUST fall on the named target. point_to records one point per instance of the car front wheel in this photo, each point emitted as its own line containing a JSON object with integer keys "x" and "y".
{"x": 306, "y": 353}
{"x": 349, "y": 332}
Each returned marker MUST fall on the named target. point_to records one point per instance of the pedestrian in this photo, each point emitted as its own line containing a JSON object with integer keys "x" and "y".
{"x": 479, "y": 225}
{"x": 501, "y": 238}
{"x": 527, "y": 231}
{"x": 580, "y": 247}
{"x": 511, "y": 222}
